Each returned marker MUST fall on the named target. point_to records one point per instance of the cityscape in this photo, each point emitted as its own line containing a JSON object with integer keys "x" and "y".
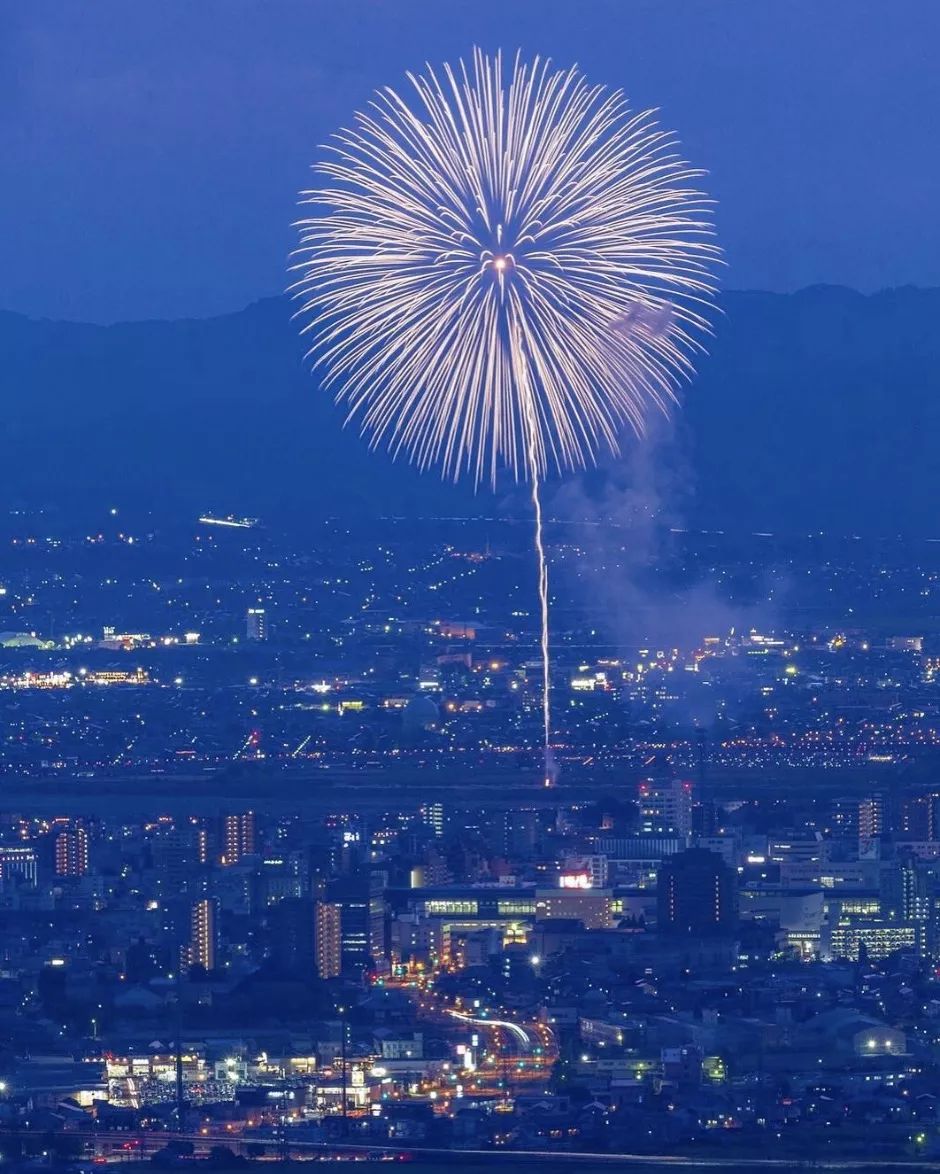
{"x": 469, "y": 586}
{"x": 281, "y": 875}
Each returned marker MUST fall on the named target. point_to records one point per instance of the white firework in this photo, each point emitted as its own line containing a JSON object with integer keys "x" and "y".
{"x": 506, "y": 272}
{"x": 497, "y": 251}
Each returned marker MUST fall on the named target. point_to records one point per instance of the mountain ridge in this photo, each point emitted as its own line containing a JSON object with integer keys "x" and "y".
{"x": 816, "y": 410}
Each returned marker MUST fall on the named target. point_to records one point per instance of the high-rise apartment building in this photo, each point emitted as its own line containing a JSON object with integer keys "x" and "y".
{"x": 328, "y": 940}
{"x": 204, "y": 934}
{"x": 71, "y": 852}
{"x": 871, "y": 818}
{"x": 239, "y": 837}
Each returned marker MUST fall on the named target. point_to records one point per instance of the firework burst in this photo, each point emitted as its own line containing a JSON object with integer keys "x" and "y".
{"x": 505, "y": 272}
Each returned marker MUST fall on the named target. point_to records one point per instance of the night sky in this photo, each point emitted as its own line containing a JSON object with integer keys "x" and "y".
{"x": 152, "y": 151}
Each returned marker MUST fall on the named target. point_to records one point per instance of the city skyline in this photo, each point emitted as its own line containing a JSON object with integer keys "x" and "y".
{"x": 578, "y": 808}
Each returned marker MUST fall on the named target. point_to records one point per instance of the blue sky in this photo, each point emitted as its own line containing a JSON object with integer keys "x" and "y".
{"x": 152, "y": 151}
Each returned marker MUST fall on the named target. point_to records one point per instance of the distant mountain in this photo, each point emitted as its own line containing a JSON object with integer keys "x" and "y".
{"x": 818, "y": 410}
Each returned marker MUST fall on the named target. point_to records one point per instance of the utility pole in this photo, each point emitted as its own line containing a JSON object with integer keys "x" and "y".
{"x": 342, "y": 1028}
{"x": 180, "y": 1098}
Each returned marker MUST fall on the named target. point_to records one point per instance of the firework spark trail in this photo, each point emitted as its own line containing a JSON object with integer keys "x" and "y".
{"x": 532, "y": 451}
{"x": 505, "y": 274}
{"x": 547, "y": 758}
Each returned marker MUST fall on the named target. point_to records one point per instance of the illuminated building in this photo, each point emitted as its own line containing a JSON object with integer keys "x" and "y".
{"x": 432, "y": 816}
{"x": 879, "y": 936}
{"x": 920, "y": 817}
{"x": 24, "y": 640}
{"x": 455, "y": 630}
{"x": 592, "y": 907}
{"x": 790, "y": 852}
{"x": 361, "y": 904}
{"x": 635, "y": 859}
{"x": 431, "y": 874}
{"x": 71, "y": 852}
{"x": 18, "y": 866}
{"x": 31, "y": 680}
{"x": 157, "y": 1066}
{"x": 665, "y": 807}
{"x": 577, "y": 869}
{"x": 799, "y": 913}
{"x": 238, "y": 837}
{"x": 415, "y": 939}
{"x": 905, "y": 643}
{"x": 905, "y": 893}
{"x": 640, "y": 848}
{"x": 112, "y": 638}
{"x": 401, "y": 1046}
{"x": 328, "y": 942}
{"x": 871, "y": 818}
{"x": 204, "y": 930}
{"x": 696, "y": 894}
{"x": 136, "y": 676}
{"x": 490, "y": 905}
{"x": 256, "y": 624}
{"x": 437, "y": 921}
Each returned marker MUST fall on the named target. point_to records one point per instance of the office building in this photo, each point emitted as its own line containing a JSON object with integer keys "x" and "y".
{"x": 432, "y": 816}
{"x": 905, "y": 891}
{"x": 18, "y": 866}
{"x": 665, "y": 807}
{"x": 360, "y": 900}
{"x": 592, "y": 907}
{"x": 696, "y": 894}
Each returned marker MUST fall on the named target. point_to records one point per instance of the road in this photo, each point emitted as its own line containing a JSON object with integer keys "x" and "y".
{"x": 518, "y": 1049}
{"x": 143, "y": 1142}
